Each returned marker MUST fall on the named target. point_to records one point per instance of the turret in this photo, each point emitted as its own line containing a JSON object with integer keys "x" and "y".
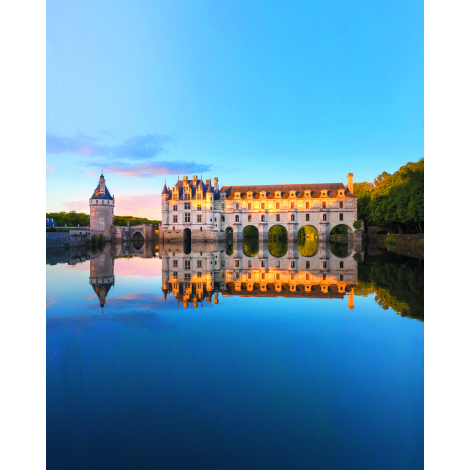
{"x": 350, "y": 183}
{"x": 102, "y": 210}
{"x": 351, "y": 299}
{"x": 209, "y": 205}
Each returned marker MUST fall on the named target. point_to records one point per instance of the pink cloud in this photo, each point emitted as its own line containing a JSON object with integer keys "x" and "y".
{"x": 143, "y": 205}
{"x": 92, "y": 173}
{"x": 49, "y": 167}
{"x": 137, "y": 267}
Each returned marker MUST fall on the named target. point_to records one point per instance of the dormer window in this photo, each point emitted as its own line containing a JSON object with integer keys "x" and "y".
{"x": 237, "y": 195}
{"x": 341, "y": 192}
{"x": 278, "y": 193}
{"x": 307, "y": 193}
{"x": 222, "y": 196}
{"x": 324, "y": 193}
{"x": 292, "y": 194}
{"x": 250, "y": 194}
{"x": 263, "y": 194}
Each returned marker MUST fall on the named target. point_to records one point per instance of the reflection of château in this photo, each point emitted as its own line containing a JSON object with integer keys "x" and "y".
{"x": 208, "y": 270}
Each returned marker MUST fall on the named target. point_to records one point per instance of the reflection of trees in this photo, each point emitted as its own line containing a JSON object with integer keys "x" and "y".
{"x": 339, "y": 249}
{"x": 277, "y": 241}
{"x": 229, "y": 249}
{"x": 339, "y": 230}
{"x": 307, "y": 247}
{"x": 396, "y": 280}
{"x": 251, "y": 246}
{"x": 307, "y": 240}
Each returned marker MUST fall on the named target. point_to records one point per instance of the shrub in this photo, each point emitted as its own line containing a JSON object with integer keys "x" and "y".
{"x": 101, "y": 239}
{"x": 390, "y": 240}
{"x": 357, "y": 257}
{"x": 357, "y": 225}
{"x": 51, "y": 229}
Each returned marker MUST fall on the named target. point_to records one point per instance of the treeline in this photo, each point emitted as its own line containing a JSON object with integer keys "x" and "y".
{"x": 395, "y": 201}
{"x": 73, "y": 219}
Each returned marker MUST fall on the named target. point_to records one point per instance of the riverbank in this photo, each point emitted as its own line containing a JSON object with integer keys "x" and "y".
{"x": 406, "y": 244}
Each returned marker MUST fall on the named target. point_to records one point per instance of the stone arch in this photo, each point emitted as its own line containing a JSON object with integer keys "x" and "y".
{"x": 250, "y": 240}
{"x": 341, "y": 243}
{"x": 277, "y": 241}
{"x": 307, "y": 240}
{"x": 138, "y": 235}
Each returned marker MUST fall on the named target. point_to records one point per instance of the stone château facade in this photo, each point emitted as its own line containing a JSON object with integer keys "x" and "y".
{"x": 207, "y": 212}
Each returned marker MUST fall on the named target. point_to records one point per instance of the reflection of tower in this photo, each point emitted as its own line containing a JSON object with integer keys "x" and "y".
{"x": 102, "y": 210}
{"x": 102, "y": 274}
{"x": 351, "y": 299}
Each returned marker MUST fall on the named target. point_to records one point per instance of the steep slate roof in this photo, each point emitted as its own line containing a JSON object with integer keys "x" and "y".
{"x": 199, "y": 183}
{"x": 97, "y": 195}
{"x": 285, "y": 189}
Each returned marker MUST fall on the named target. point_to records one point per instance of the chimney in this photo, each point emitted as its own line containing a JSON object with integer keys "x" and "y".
{"x": 215, "y": 183}
{"x": 185, "y": 179}
{"x": 350, "y": 183}
{"x": 208, "y": 182}
{"x": 351, "y": 299}
{"x": 194, "y": 180}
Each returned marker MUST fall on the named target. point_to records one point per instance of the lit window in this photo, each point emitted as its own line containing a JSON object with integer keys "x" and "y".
{"x": 199, "y": 207}
{"x": 292, "y": 205}
{"x": 222, "y": 218}
{"x": 262, "y": 205}
{"x": 278, "y": 205}
{"x": 237, "y": 263}
{"x": 199, "y": 196}
{"x": 324, "y": 205}
{"x": 307, "y": 205}
{"x": 324, "y": 216}
{"x": 249, "y": 206}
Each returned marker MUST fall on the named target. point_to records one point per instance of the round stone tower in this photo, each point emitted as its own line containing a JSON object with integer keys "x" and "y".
{"x": 102, "y": 211}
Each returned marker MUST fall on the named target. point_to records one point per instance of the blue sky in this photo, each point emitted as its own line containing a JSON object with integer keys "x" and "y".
{"x": 251, "y": 92}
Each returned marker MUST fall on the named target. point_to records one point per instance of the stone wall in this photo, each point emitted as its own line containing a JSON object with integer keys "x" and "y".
{"x": 196, "y": 236}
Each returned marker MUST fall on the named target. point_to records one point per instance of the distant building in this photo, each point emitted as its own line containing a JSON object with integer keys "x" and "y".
{"x": 50, "y": 223}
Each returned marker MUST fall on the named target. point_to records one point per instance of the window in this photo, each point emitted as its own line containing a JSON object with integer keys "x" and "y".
{"x": 324, "y": 276}
{"x": 186, "y": 197}
{"x": 187, "y": 206}
{"x": 263, "y": 276}
{"x": 200, "y": 228}
{"x": 307, "y": 265}
{"x": 340, "y": 216}
{"x": 278, "y": 218}
{"x": 262, "y": 205}
{"x": 278, "y": 206}
{"x": 263, "y": 264}
{"x": 222, "y": 218}
{"x": 341, "y": 264}
{"x": 237, "y": 206}
{"x": 175, "y": 220}
{"x": 250, "y": 206}
{"x": 175, "y": 207}
{"x": 307, "y": 217}
{"x": 237, "y": 275}
{"x": 292, "y": 218}
{"x": 199, "y": 218}
{"x": 199, "y": 263}
{"x": 249, "y": 218}
{"x": 278, "y": 276}
{"x": 187, "y": 277}
{"x": 175, "y": 263}
{"x": 324, "y": 264}
{"x": 199, "y": 196}
{"x": 237, "y": 263}
{"x": 307, "y": 277}
{"x": 292, "y": 205}
{"x": 237, "y": 218}
{"x": 223, "y": 207}
{"x": 249, "y": 264}
{"x": 278, "y": 265}
{"x": 324, "y": 205}
{"x": 199, "y": 274}
{"x": 292, "y": 264}
{"x": 223, "y": 264}
{"x": 307, "y": 205}
{"x": 199, "y": 207}
{"x": 187, "y": 264}
{"x": 340, "y": 277}
{"x": 324, "y": 216}
{"x": 262, "y": 218}
{"x": 341, "y": 204}
{"x": 249, "y": 275}
{"x": 187, "y": 217}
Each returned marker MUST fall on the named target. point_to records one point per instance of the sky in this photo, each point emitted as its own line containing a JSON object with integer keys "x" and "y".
{"x": 252, "y": 92}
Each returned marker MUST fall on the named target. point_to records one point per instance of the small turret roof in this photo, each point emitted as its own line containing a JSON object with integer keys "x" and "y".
{"x": 165, "y": 189}
{"x": 97, "y": 195}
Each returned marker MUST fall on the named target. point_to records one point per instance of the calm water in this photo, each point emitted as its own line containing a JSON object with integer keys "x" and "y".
{"x": 166, "y": 359}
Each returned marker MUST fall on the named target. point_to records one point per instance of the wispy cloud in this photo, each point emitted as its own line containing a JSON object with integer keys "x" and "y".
{"x": 135, "y": 147}
{"x": 92, "y": 173}
{"x": 142, "y": 205}
{"x": 150, "y": 169}
{"x": 49, "y": 167}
